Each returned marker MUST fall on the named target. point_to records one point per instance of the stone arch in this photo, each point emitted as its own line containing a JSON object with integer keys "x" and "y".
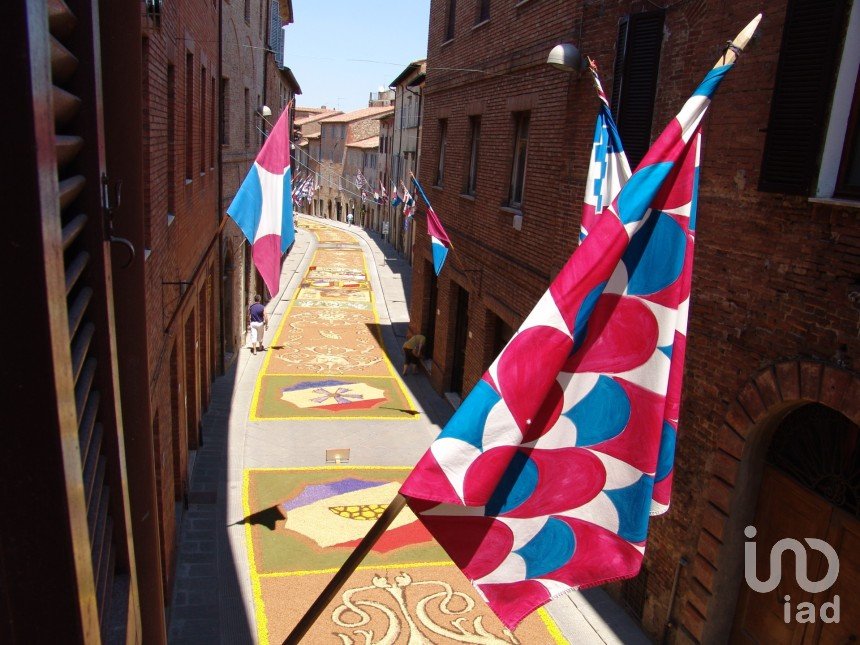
{"x": 735, "y": 475}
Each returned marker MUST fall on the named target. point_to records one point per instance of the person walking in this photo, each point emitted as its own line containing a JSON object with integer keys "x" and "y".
{"x": 258, "y": 321}
{"x": 412, "y": 351}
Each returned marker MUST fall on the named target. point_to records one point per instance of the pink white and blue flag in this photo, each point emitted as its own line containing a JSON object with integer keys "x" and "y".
{"x": 608, "y": 169}
{"x": 440, "y": 243}
{"x": 263, "y": 207}
{"x": 545, "y": 478}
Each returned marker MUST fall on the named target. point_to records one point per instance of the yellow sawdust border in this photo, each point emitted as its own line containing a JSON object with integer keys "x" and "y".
{"x": 393, "y": 374}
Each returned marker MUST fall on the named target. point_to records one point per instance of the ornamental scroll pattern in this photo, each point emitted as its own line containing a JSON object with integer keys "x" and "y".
{"x": 424, "y": 595}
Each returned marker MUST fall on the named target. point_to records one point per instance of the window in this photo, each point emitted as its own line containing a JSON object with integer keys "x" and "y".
{"x": 452, "y": 12}
{"x": 808, "y": 95}
{"x": 171, "y": 140}
{"x": 225, "y": 112}
{"x": 443, "y": 143}
{"x": 248, "y": 12}
{"x": 483, "y": 10}
{"x": 475, "y": 129}
{"x": 202, "y": 120}
{"x": 848, "y": 179}
{"x": 247, "y": 117}
{"x": 518, "y": 166}
{"x": 189, "y": 115}
{"x": 212, "y": 118}
{"x": 634, "y": 86}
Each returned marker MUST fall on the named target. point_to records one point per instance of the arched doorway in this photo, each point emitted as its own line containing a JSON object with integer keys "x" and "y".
{"x": 746, "y": 454}
{"x": 810, "y": 489}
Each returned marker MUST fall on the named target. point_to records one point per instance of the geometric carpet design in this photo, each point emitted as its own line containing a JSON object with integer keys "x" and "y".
{"x": 302, "y": 523}
{"x": 327, "y": 359}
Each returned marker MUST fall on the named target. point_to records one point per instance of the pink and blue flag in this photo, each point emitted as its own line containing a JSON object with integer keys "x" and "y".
{"x": 545, "y": 478}
{"x": 263, "y": 206}
{"x": 440, "y": 243}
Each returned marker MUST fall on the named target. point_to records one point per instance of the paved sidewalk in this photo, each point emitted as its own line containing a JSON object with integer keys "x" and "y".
{"x": 213, "y": 601}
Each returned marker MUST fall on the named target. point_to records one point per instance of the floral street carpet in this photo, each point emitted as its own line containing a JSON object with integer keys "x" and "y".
{"x": 327, "y": 360}
{"x": 302, "y": 523}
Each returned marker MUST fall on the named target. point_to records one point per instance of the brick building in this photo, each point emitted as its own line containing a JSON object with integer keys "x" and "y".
{"x": 121, "y": 246}
{"x": 127, "y": 228}
{"x": 307, "y": 122}
{"x": 253, "y": 76}
{"x": 770, "y": 392}
{"x": 404, "y": 147}
{"x": 336, "y": 187}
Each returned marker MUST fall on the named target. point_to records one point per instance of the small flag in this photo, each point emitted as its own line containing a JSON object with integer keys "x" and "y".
{"x": 544, "y": 479}
{"x": 608, "y": 170}
{"x": 439, "y": 240}
{"x": 383, "y": 192}
{"x": 262, "y": 207}
{"x": 408, "y": 203}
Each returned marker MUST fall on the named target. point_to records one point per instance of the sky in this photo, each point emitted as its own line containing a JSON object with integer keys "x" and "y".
{"x": 341, "y": 50}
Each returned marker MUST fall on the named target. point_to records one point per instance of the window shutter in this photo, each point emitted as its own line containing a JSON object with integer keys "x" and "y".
{"x": 805, "y": 75}
{"x": 618, "y": 68}
{"x": 639, "y": 57}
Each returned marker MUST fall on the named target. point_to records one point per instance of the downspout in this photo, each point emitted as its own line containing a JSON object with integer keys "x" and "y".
{"x": 220, "y": 207}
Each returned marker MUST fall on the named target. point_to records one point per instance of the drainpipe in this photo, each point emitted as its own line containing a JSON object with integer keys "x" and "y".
{"x": 220, "y": 212}
{"x": 670, "y": 625}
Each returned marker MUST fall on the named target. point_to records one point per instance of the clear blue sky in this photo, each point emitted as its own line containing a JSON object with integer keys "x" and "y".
{"x": 330, "y": 42}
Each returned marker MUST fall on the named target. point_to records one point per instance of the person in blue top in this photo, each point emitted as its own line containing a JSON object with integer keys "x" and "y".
{"x": 258, "y": 321}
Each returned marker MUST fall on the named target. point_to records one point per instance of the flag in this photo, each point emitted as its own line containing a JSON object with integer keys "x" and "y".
{"x": 262, "y": 207}
{"x": 439, "y": 241}
{"x": 408, "y": 203}
{"x": 383, "y": 192}
{"x": 395, "y": 200}
{"x": 360, "y": 181}
{"x": 608, "y": 169}
{"x": 545, "y": 478}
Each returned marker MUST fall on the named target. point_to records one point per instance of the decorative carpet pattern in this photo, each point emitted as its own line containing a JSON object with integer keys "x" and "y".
{"x": 327, "y": 359}
{"x": 302, "y": 523}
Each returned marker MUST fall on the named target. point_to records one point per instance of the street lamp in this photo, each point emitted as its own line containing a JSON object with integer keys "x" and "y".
{"x": 567, "y": 58}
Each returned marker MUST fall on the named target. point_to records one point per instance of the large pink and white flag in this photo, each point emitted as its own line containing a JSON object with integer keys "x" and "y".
{"x": 263, "y": 205}
{"x": 545, "y": 478}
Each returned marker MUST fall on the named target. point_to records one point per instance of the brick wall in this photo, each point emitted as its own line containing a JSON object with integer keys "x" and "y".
{"x": 181, "y": 220}
{"x": 773, "y": 273}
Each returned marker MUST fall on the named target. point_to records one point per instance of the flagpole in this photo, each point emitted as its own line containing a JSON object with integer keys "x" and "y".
{"x": 346, "y": 570}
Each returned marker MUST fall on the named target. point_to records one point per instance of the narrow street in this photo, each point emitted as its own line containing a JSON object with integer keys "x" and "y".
{"x": 269, "y": 520}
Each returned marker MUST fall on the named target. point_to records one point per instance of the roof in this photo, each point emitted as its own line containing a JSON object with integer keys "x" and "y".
{"x": 365, "y": 144}
{"x": 364, "y": 113}
{"x": 316, "y": 117}
{"x": 418, "y": 80}
{"x": 313, "y": 110}
{"x": 286, "y": 11}
{"x": 410, "y": 69}
{"x": 315, "y": 135}
{"x": 291, "y": 80}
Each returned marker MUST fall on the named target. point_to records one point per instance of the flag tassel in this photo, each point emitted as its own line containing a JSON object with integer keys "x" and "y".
{"x": 346, "y": 570}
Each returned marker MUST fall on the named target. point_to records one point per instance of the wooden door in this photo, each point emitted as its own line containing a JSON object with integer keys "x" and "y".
{"x": 787, "y": 509}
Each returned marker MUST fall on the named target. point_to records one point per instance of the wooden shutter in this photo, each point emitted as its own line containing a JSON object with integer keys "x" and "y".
{"x": 76, "y": 77}
{"x": 634, "y": 86}
{"x": 805, "y": 75}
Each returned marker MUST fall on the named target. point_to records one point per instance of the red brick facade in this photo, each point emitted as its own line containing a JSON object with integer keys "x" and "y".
{"x": 775, "y": 277}
{"x": 180, "y": 201}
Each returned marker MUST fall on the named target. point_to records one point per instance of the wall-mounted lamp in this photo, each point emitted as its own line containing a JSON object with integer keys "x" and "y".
{"x": 264, "y": 111}
{"x": 567, "y": 58}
